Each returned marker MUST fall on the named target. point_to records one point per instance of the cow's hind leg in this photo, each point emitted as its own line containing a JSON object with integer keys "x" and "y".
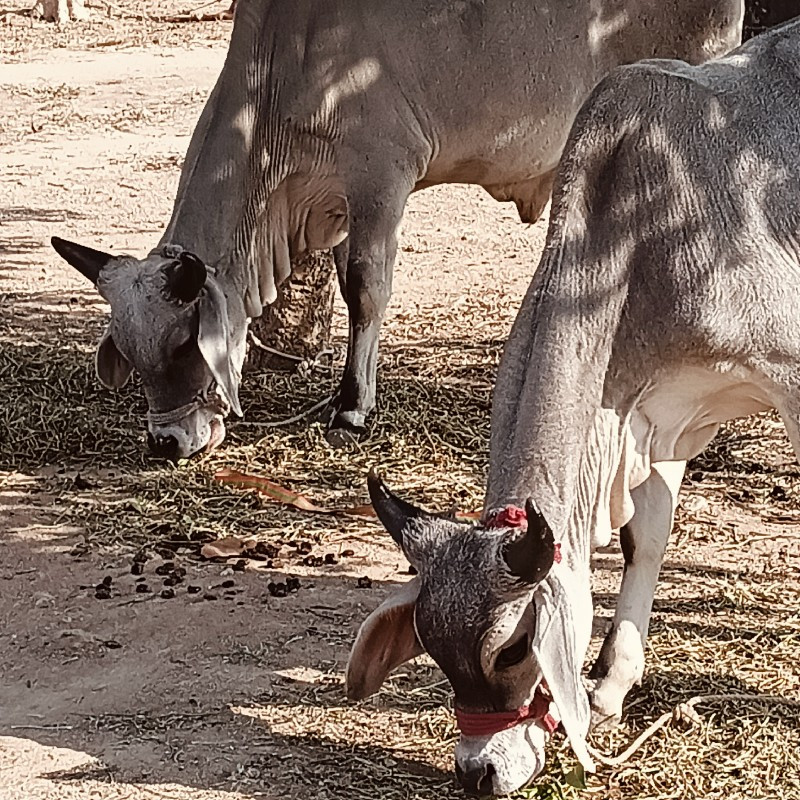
{"x": 365, "y": 261}
{"x": 620, "y": 664}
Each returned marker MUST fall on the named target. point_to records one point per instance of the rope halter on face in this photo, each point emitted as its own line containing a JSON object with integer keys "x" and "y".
{"x": 488, "y": 724}
{"x": 209, "y": 399}
{"x": 539, "y": 709}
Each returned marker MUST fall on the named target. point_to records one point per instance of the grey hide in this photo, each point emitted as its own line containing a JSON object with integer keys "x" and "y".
{"x": 666, "y": 302}
{"x": 327, "y": 115}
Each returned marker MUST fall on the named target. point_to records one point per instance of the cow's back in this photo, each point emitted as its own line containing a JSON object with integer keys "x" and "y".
{"x": 477, "y": 91}
{"x": 688, "y": 187}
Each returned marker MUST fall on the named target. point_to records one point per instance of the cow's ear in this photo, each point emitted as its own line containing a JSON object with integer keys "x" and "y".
{"x": 385, "y": 640}
{"x": 112, "y": 368}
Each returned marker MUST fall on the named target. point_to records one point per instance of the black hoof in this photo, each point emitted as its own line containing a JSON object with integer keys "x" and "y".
{"x": 343, "y": 431}
{"x": 339, "y": 438}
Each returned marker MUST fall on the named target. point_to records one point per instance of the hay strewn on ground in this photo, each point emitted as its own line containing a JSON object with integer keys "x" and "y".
{"x": 729, "y": 630}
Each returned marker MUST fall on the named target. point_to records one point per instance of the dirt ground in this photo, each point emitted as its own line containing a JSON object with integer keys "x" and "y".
{"x": 226, "y": 690}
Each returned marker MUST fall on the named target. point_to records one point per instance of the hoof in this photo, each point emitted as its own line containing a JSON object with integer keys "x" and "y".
{"x": 345, "y": 429}
{"x": 605, "y": 717}
{"x": 339, "y": 438}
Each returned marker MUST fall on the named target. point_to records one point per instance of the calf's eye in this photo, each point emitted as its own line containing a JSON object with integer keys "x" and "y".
{"x": 513, "y": 654}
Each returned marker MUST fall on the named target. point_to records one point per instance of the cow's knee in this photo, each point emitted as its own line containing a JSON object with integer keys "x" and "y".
{"x": 369, "y": 287}
{"x": 366, "y": 282}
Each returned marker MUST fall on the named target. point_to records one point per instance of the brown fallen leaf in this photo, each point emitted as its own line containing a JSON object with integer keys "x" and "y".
{"x": 280, "y": 494}
{"x": 227, "y": 547}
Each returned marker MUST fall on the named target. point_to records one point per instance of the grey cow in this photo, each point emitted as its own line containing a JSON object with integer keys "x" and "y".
{"x": 326, "y": 116}
{"x": 666, "y": 302}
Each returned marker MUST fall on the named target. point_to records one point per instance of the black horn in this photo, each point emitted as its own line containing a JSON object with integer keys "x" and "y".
{"x": 393, "y": 512}
{"x": 530, "y": 556}
{"x": 185, "y": 277}
{"x": 87, "y": 261}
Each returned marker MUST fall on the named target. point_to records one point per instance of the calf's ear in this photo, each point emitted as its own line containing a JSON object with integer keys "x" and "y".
{"x": 385, "y": 640}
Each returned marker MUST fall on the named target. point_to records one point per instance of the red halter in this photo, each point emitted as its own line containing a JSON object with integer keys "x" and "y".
{"x": 494, "y": 722}
{"x": 539, "y": 709}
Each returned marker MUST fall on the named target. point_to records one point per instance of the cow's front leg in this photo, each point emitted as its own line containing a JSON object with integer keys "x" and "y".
{"x": 620, "y": 664}
{"x": 366, "y": 282}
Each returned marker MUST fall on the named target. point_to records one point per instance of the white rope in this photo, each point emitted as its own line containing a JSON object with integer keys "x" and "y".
{"x": 289, "y": 420}
{"x": 684, "y": 712}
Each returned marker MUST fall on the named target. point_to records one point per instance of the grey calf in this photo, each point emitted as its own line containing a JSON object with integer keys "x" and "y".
{"x": 666, "y": 302}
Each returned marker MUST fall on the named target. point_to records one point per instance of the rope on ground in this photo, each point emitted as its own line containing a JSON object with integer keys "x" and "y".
{"x": 289, "y": 420}
{"x": 684, "y": 712}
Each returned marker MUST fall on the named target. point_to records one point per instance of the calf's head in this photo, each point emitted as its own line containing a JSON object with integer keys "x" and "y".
{"x": 489, "y": 605}
{"x": 171, "y": 322}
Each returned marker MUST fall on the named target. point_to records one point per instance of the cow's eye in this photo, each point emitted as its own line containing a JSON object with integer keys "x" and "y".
{"x": 183, "y": 350}
{"x": 513, "y": 654}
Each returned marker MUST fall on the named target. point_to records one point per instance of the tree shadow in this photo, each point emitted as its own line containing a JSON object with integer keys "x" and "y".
{"x": 32, "y": 214}
{"x": 252, "y": 757}
{"x": 15, "y": 250}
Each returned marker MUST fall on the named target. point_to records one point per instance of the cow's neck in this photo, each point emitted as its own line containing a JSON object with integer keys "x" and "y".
{"x": 551, "y": 440}
{"x": 250, "y": 138}
{"x": 235, "y": 158}
{"x": 216, "y": 207}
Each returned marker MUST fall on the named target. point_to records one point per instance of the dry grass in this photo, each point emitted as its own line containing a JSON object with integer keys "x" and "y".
{"x": 734, "y": 630}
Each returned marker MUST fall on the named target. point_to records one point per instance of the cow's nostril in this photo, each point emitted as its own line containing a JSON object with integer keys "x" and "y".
{"x": 476, "y": 781}
{"x": 163, "y": 446}
{"x": 485, "y": 785}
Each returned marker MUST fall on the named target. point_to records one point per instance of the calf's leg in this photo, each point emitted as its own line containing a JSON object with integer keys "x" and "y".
{"x": 620, "y": 664}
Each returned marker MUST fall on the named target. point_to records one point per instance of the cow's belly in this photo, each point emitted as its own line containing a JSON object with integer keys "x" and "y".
{"x": 683, "y": 410}
{"x": 515, "y": 152}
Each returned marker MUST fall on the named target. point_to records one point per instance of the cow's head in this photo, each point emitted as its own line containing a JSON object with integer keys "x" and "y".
{"x": 490, "y": 607}
{"x": 171, "y": 322}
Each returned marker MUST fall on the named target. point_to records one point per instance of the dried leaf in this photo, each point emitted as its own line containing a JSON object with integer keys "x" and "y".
{"x": 280, "y": 494}
{"x": 269, "y": 489}
{"x": 227, "y": 547}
